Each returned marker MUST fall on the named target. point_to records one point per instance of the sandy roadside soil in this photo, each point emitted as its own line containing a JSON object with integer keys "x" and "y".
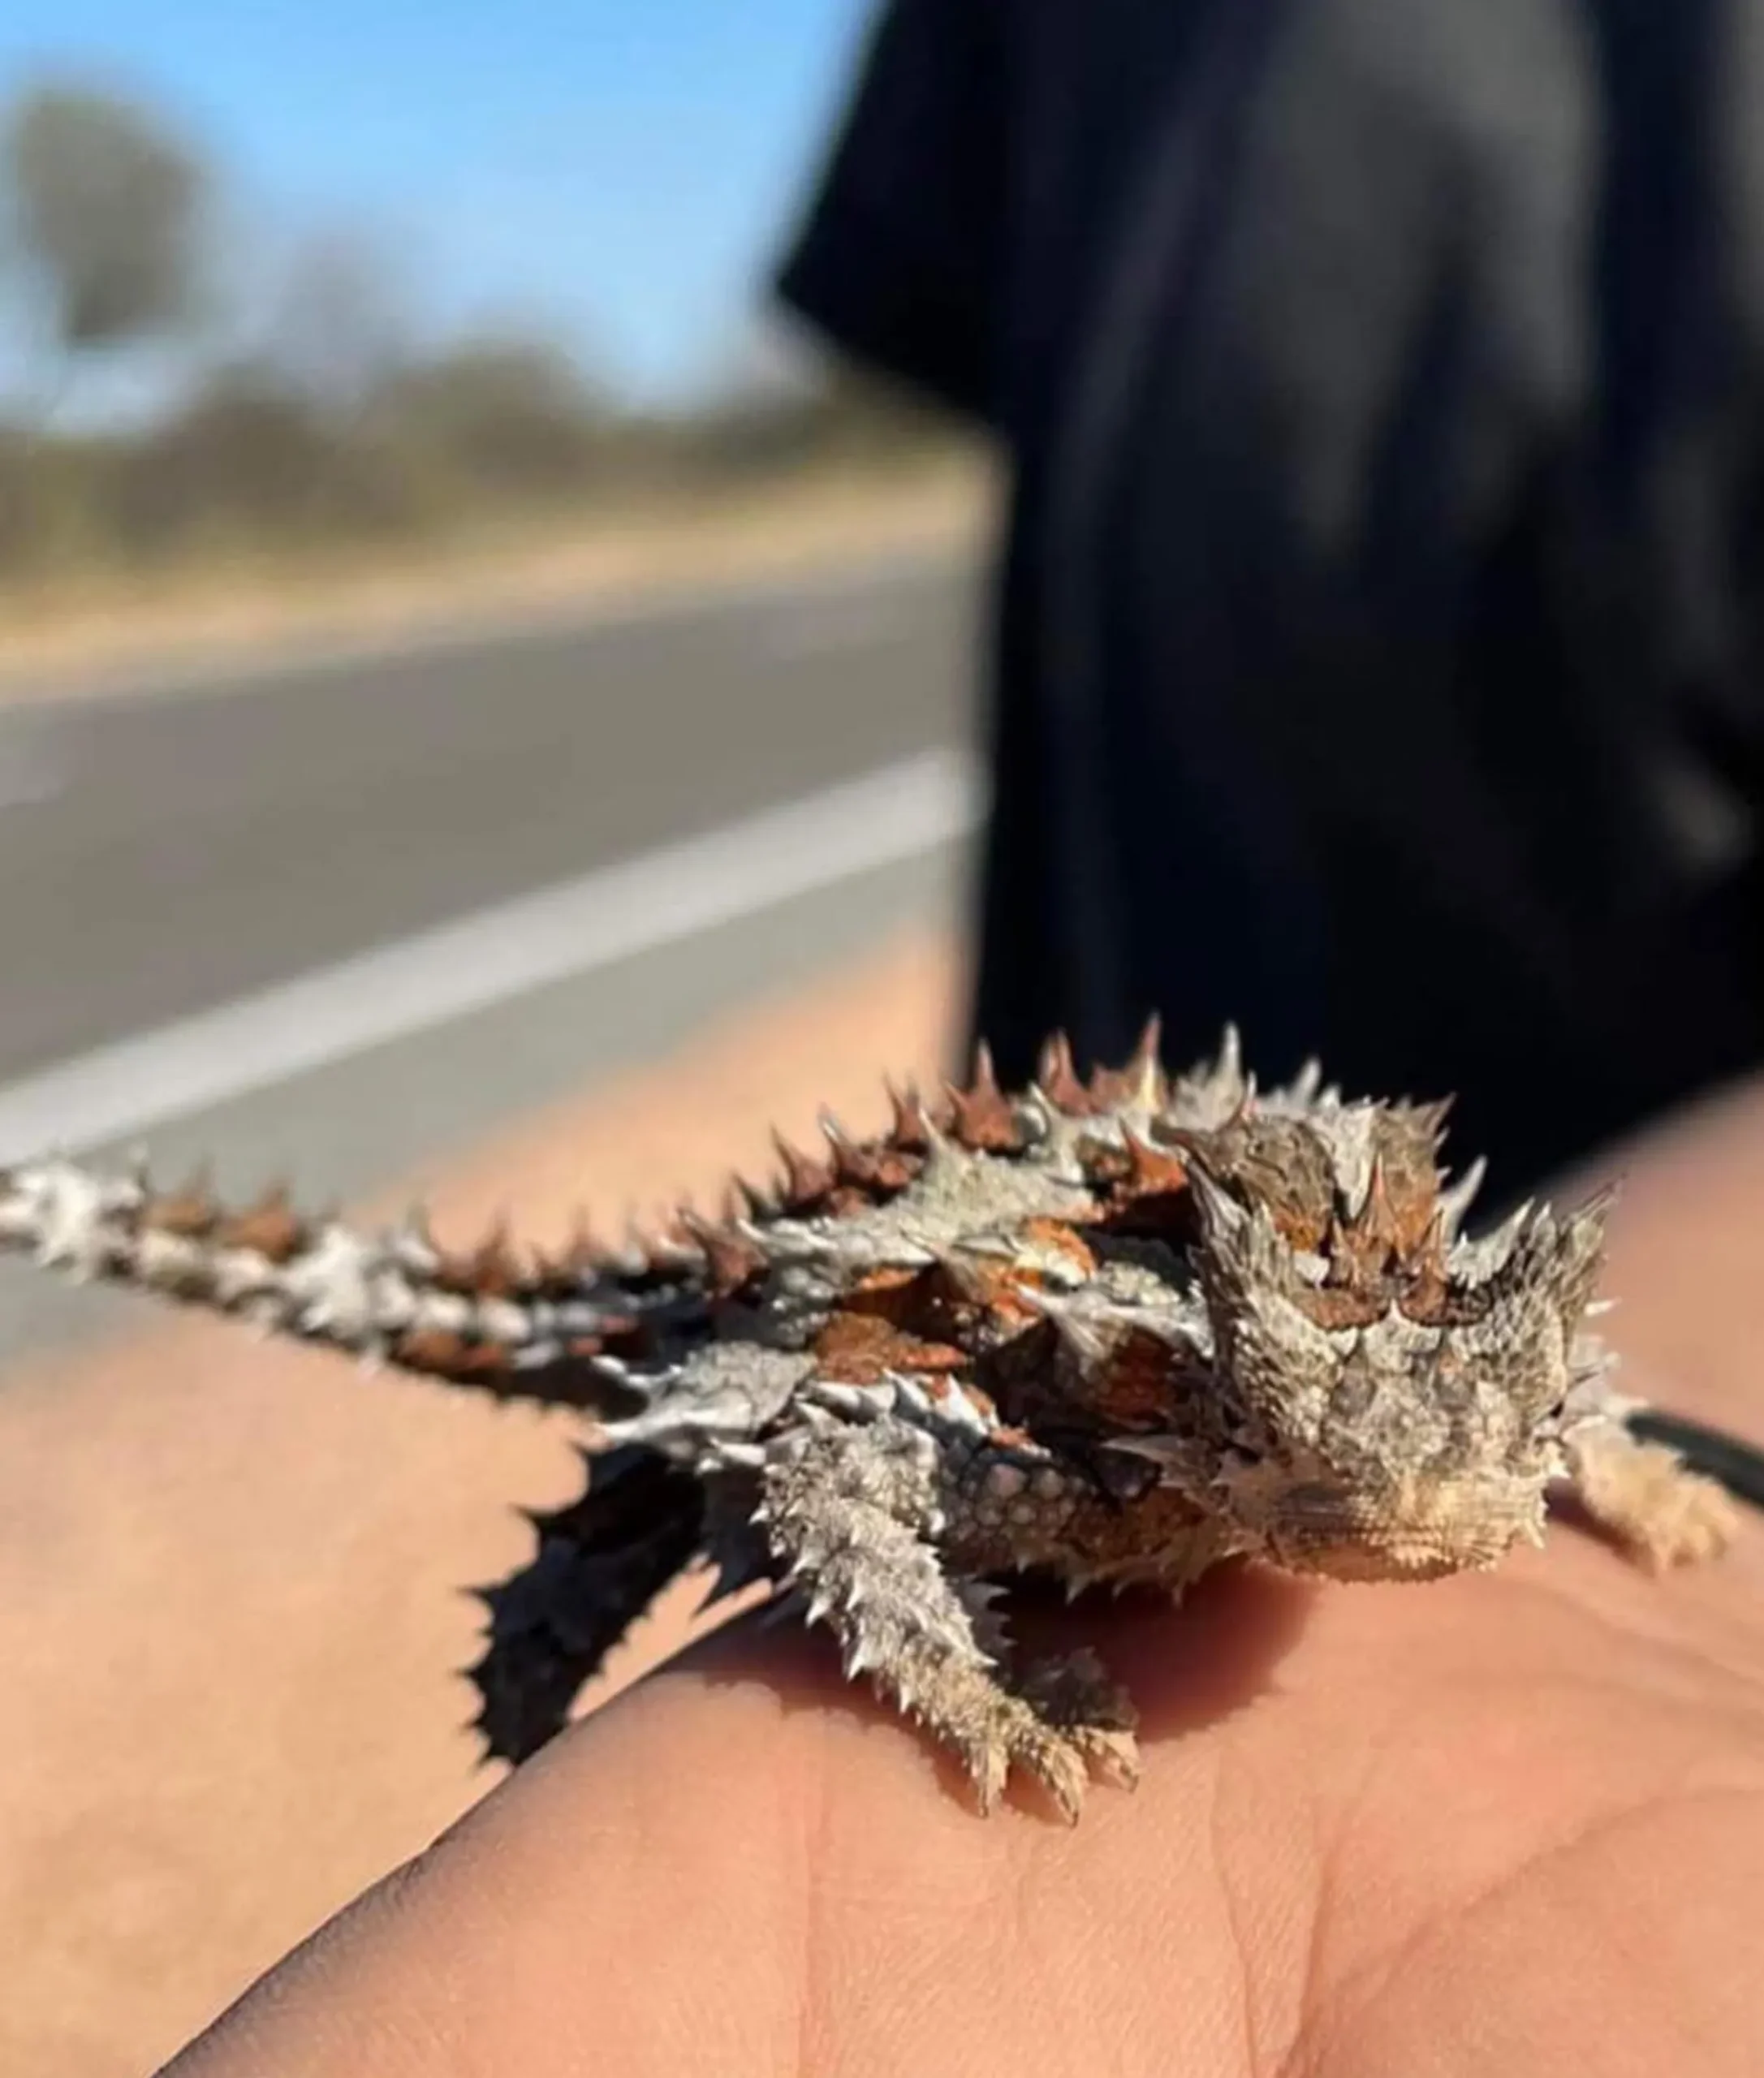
{"x": 229, "y": 1573}
{"x": 53, "y": 646}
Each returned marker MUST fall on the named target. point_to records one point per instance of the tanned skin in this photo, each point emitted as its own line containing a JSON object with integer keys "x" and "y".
{"x": 1512, "y": 1823}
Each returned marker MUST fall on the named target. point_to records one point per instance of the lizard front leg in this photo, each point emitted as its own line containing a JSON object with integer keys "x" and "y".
{"x": 853, "y": 1513}
{"x": 1639, "y": 1491}
{"x": 1644, "y": 1497}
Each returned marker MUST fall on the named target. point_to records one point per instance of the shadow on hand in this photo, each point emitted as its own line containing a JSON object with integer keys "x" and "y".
{"x": 1188, "y": 1667}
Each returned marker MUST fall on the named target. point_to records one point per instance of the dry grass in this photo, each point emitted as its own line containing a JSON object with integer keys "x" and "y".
{"x": 54, "y": 639}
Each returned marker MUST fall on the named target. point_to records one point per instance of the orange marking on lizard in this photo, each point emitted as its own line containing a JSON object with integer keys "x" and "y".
{"x": 861, "y": 1349}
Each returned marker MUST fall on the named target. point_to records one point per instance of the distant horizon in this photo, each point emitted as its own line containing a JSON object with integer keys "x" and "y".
{"x": 619, "y": 181}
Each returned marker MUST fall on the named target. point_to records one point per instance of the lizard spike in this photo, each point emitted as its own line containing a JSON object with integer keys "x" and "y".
{"x": 727, "y": 1452}
{"x": 1302, "y": 1089}
{"x": 412, "y": 1240}
{"x": 1160, "y": 1450}
{"x": 1454, "y": 1202}
{"x": 189, "y": 1209}
{"x": 495, "y": 1269}
{"x": 270, "y": 1227}
{"x": 1000, "y": 1247}
{"x": 1056, "y": 1076}
{"x": 1431, "y": 1250}
{"x": 1077, "y": 1332}
{"x": 1244, "y": 1108}
{"x": 630, "y": 1256}
{"x": 578, "y": 1258}
{"x": 806, "y": 1181}
{"x": 1038, "y": 1115}
{"x": 910, "y": 1129}
{"x": 583, "y": 1248}
{"x": 1146, "y": 1066}
{"x": 1152, "y": 1171}
{"x": 1140, "y": 1081}
{"x": 1431, "y": 1117}
{"x": 485, "y": 1270}
{"x": 985, "y": 1120}
{"x": 1374, "y": 1215}
{"x": 673, "y": 1248}
{"x": 730, "y": 1258}
{"x": 852, "y": 1163}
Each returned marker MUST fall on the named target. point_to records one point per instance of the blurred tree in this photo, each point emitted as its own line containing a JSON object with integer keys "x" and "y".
{"x": 820, "y": 409}
{"x": 108, "y": 208}
{"x": 107, "y": 236}
{"x": 248, "y": 459}
{"x": 340, "y": 325}
{"x": 510, "y": 412}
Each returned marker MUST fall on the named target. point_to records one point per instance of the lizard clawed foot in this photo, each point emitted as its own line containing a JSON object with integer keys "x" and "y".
{"x": 1641, "y": 1495}
{"x": 1061, "y": 1721}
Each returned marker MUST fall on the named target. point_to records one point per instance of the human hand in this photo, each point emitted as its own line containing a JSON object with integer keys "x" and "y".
{"x": 1505, "y": 1824}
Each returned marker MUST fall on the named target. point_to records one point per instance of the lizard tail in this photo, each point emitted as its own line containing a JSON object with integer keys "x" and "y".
{"x": 536, "y": 1330}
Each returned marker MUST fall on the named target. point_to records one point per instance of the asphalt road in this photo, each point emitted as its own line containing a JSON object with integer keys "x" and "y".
{"x": 167, "y": 850}
{"x": 177, "y": 861}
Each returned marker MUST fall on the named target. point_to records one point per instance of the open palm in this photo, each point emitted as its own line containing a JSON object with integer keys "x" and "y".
{"x": 1509, "y": 1824}
{"x": 1499, "y": 1825}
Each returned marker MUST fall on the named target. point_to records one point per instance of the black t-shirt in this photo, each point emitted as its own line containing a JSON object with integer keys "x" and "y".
{"x": 1376, "y": 654}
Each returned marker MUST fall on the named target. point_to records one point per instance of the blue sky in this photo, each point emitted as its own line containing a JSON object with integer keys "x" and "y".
{"x": 621, "y": 168}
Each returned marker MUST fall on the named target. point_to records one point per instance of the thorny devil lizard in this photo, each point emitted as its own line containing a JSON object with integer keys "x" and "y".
{"x": 1118, "y": 1330}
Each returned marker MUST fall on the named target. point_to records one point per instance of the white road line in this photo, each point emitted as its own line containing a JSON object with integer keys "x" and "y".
{"x": 894, "y": 814}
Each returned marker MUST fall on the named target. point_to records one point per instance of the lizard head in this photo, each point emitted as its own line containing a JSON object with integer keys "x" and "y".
{"x": 1396, "y": 1392}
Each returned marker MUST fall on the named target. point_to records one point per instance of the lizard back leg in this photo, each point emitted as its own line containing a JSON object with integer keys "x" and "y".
{"x": 852, "y": 1514}
{"x": 600, "y": 1565}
